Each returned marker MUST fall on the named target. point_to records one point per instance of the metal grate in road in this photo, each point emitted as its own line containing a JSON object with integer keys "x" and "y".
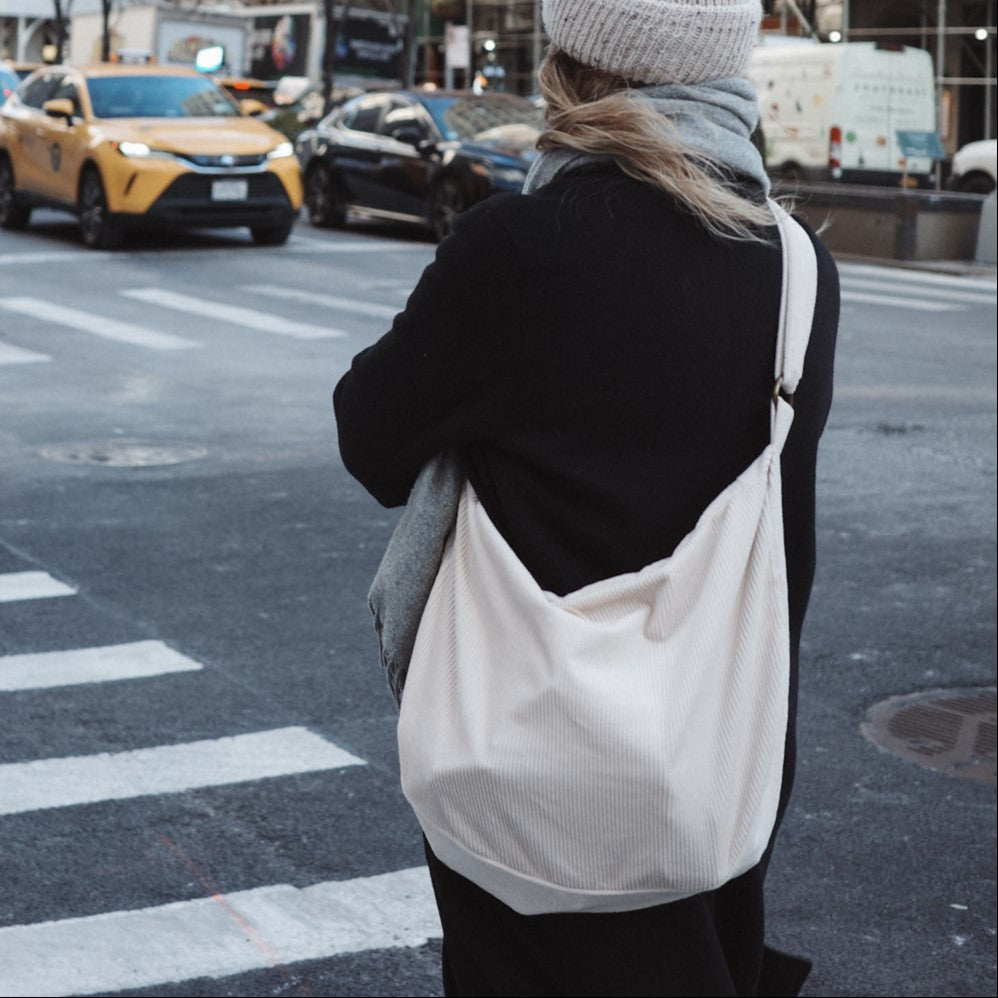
{"x": 949, "y": 731}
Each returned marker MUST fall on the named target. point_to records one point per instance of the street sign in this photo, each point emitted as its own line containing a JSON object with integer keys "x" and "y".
{"x": 920, "y": 145}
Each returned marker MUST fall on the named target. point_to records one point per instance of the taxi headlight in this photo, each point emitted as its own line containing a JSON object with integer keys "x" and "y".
{"x": 139, "y": 150}
{"x": 281, "y": 151}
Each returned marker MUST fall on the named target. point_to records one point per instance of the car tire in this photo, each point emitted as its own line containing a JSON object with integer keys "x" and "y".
{"x": 14, "y": 214}
{"x": 977, "y": 183}
{"x": 322, "y": 199}
{"x": 272, "y": 235}
{"x": 97, "y": 228}
{"x": 447, "y": 201}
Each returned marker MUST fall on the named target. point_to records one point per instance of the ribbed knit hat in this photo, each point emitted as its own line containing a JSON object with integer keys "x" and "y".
{"x": 657, "y": 41}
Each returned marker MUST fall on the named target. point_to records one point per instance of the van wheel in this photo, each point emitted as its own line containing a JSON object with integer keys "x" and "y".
{"x": 974, "y": 183}
{"x": 790, "y": 174}
{"x": 14, "y": 214}
{"x": 97, "y": 228}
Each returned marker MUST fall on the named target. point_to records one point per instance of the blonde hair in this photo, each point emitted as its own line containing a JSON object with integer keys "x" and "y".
{"x": 597, "y": 112}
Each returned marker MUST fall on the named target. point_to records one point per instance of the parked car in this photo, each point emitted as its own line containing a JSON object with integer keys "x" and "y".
{"x": 9, "y": 82}
{"x": 416, "y": 156}
{"x": 974, "y": 168}
{"x": 125, "y": 146}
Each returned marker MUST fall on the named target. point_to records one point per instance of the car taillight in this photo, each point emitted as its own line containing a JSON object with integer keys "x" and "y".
{"x": 835, "y": 151}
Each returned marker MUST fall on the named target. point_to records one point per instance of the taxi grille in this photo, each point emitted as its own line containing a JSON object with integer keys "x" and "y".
{"x": 227, "y": 160}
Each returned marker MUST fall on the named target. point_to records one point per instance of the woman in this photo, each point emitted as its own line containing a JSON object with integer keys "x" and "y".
{"x": 600, "y": 352}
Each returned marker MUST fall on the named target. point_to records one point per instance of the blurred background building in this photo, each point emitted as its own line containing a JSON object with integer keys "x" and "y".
{"x": 485, "y": 44}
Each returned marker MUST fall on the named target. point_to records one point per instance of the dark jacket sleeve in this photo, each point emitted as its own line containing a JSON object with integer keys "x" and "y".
{"x": 430, "y": 381}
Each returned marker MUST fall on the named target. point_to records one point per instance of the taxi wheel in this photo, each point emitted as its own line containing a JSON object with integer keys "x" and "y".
{"x": 97, "y": 228}
{"x": 271, "y": 235}
{"x": 13, "y": 214}
{"x": 322, "y": 200}
{"x": 447, "y": 201}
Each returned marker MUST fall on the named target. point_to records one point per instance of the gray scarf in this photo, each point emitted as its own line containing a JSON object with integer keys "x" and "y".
{"x": 714, "y": 119}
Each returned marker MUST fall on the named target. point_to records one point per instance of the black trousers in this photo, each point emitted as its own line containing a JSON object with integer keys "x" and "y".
{"x": 710, "y": 945}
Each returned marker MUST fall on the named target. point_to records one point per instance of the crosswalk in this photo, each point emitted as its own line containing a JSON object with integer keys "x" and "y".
{"x": 914, "y": 290}
{"x": 865, "y": 285}
{"x": 184, "y": 318}
{"x": 215, "y": 935}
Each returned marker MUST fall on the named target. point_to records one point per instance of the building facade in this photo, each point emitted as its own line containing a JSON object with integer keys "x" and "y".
{"x": 498, "y": 44}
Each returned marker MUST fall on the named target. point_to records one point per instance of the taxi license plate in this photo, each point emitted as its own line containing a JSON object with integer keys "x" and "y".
{"x": 229, "y": 190}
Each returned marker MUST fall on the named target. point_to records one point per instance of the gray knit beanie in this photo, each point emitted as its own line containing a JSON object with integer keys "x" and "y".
{"x": 657, "y": 41}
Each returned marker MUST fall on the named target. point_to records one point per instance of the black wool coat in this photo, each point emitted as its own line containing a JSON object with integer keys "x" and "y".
{"x": 605, "y": 366}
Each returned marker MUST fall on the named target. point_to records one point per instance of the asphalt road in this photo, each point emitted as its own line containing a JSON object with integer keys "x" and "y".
{"x": 198, "y": 785}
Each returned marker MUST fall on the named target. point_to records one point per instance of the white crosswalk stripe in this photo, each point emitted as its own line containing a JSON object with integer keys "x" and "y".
{"x": 949, "y": 294}
{"x": 310, "y": 245}
{"x": 98, "y": 325}
{"x": 238, "y": 315}
{"x": 896, "y": 301}
{"x": 913, "y": 289}
{"x": 16, "y": 586}
{"x": 10, "y": 354}
{"x": 335, "y": 302}
{"x": 217, "y": 936}
{"x": 108, "y": 663}
{"x": 166, "y": 769}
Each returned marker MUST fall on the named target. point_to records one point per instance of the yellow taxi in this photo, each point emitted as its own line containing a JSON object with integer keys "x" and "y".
{"x": 124, "y": 145}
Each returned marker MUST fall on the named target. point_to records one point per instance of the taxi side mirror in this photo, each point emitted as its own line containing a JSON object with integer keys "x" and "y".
{"x": 61, "y": 107}
{"x": 252, "y": 107}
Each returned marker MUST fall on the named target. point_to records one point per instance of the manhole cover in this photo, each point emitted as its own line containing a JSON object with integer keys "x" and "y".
{"x": 122, "y": 453}
{"x": 950, "y": 731}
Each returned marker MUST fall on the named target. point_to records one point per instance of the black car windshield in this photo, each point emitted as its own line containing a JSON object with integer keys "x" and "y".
{"x": 159, "y": 97}
{"x": 502, "y": 119}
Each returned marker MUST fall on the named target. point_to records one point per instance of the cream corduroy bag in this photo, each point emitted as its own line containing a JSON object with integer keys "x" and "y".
{"x": 621, "y": 746}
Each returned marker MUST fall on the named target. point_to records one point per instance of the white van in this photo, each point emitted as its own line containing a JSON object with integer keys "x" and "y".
{"x": 832, "y": 111}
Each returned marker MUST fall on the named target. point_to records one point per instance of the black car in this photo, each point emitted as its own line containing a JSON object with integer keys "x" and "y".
{"x": 416, "y": 156}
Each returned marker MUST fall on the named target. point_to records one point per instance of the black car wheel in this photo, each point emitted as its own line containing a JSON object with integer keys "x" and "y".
{"x": 13, "y": 214}
{"x": 272, "y": 235}
{"x": 977, "y": 183}
{"x": 322, "y": 200}
{"x": 447, "y": 201}
{"x": 97, "y": 228}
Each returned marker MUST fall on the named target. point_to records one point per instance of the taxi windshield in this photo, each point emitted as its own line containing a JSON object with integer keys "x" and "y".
{"x": 159, "y": 97}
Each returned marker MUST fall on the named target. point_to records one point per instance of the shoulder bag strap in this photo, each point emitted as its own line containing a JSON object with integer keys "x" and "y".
{"x": 800, "y": 286}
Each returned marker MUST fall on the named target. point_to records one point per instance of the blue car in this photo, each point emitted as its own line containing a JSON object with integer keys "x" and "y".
{"x": 416, "y": 156}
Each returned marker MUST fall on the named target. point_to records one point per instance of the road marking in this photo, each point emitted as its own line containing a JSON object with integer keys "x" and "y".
{"x": 164, "y": 769}
{"x": 319, "y": 298}
{"x": 898, "y": 302}
{"x": 53, "y": 256}
{"x": 31, "y": 585}
{"x": 99, "y": 325}
{"x": 251, "y": 318}
{"x": 343, "y": 246}
{"x": 217, "y": 936}
{"x": 947, "y": 294}
{"x": 916, "y": 276}
{"x": 42, "y": 670}
{"x": 10, "y": 354}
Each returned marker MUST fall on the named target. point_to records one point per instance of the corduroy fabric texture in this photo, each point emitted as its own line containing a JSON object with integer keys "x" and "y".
{"x": 620, "y": 746}
{"x": 657, "y": 41}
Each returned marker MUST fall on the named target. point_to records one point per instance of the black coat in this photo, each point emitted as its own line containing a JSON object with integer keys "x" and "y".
{"x": 605, "y": 366}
